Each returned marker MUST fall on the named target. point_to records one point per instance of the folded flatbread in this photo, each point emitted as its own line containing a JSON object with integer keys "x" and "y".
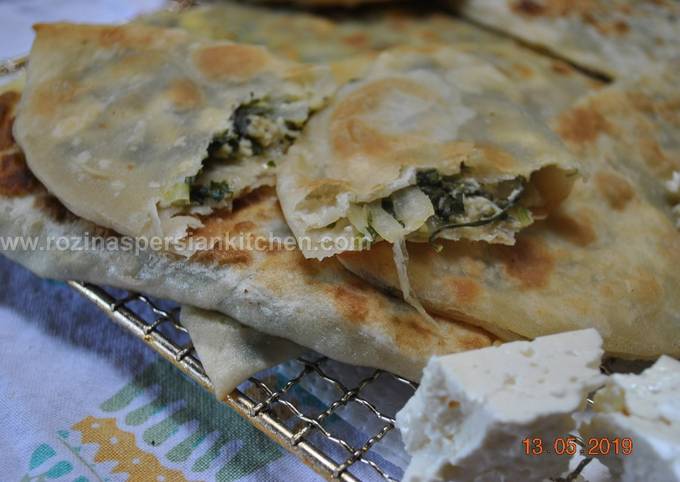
{"x": 637, "y": 123}
{"x": 430, "y": 143}
{"x": 607, "y": 258}
{"x": 231, "y": 352}
{"x": 547, "y": 86}
{"x": 618, "y": 38}
{"x": 142, "y": 129}
{"x": 249, "y": 269}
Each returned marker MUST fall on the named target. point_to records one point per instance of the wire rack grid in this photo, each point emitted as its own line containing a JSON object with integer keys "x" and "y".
{"x": 265, "y": 406}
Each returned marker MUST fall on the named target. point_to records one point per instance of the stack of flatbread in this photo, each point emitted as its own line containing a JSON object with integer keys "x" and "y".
{"x": 378, "y": 185}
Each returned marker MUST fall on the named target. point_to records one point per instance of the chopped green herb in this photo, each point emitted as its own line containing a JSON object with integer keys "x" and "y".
{"x": 372, "y": 232}
{"x": 215, "y": 191}
{"x": 502, "y": 214}
{"x": 461, "y": 201}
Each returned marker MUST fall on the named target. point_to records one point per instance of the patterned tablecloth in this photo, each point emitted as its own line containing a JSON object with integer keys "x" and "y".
{"x": 81, "y": 400}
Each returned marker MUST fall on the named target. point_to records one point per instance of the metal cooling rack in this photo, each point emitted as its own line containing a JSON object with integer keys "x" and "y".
{"x": 264, "y": 406}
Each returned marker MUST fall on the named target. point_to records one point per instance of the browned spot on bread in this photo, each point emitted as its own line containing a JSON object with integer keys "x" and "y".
{"x": 522, "y": 70}
{"x": 410, "y": 331}
{"x": 528, "y": 7}
{"x": 496, "y": 158}
{"x": 238, "y": 62}
{"x": 376, "y": 264}
{"x": 641, "y": 101}
{"x": 606, "y": 291}
{"x": 615, "y": 189}
{"x": 352, "y": 134}
{"x": 646, "y": 289}
{"x": 15, "y": 177}
{"x": 621, "y": 27}
{"x": 562, "y": 67}
{"x": 466, "y": 290}
{"x": 350, "y": 302}
{"x": 655, "y": 157}
{"x": 309, "y": 267}
{"x": 54, "y": 209}
{"x": 528, "y": 261}
{"x": 476, "y": 341}
{"x": 110, "y": 36}
{"x": 222, "y": 257}
{"x": 430, "y": 36}
{"x": 8, "y": 101}
{"x": 586, "y": 9}
{"x": 184, "y": 94}
{"x": 52, "y": 95}
{"x": 356, "y": 40}
{"x": 577, "y": 231}
{"x": 256, "y": 197}
{"x": 244, "y": 227}
{"x": 625, "y": 8}
{"x": 582, "y": 125}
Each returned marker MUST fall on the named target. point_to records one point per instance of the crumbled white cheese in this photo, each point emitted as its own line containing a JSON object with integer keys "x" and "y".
{"x": 479, "y": 207}
{"x": 673, "y": 185}
{"x": 468, "y": 419}
{"x": 644, "y": 408}
{"x": 264, "y": 129}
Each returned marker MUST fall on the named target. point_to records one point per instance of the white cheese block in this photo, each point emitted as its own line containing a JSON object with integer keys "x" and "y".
{"x": 468, "y": 418}
{"x": 644, "y": 408}
{"x": 673, "y": 186}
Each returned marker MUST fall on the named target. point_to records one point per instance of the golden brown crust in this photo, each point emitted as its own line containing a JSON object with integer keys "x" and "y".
{"x": 617, "y": 38}
{"x": 583, "y": 125}
{"x": 351, "y": 135}
{"x": 129, "y": 35}
{"x": 529, "y": 262}
{"x": 466, "y": 290}
{"x": 593, "y": 13}
{"x": 577, "y": 230}
{"x": 351, "y": 302}
{"x": 237, "y": 62}
{"x": 184, "y": 94}
{"x": 53, "y": 209}
{"x": 8, "y": 103}
{"x": 615, "y": 189}
{"x": 222, "y": 256}
{"x": 15, "y": 178}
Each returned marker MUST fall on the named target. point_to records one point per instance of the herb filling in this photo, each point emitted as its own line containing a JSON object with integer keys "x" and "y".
{"x": 256, "y": 128}
{"x": 215, "y": 191}
{"x": 461, "y": 201}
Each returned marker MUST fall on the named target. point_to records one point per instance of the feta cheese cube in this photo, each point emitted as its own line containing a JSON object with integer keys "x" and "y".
{"x": 644, "y": 408}
{"x": 468, "y": 419}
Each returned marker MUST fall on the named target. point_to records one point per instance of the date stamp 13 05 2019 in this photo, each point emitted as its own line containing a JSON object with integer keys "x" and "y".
{"x": 591, "y": 447}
